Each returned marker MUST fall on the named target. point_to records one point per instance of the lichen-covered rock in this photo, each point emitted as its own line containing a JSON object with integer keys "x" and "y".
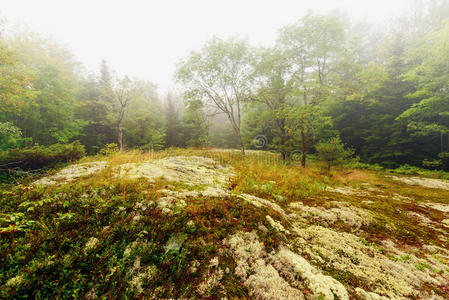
{"x": 72, "y": 172}
{"x": 347, "y": 253}
{"x": 280, "y": 275}
{"x": 350, "y": 215}
{"x": 276, "y": 225}
{"x": 259, "y": 202}
{"x": 91, "y": 244}
{"x": 425, "y": 182}
{"x": 295, "y": 267}
{"x": 170, "y": 204}
{"x": 347, "y": 190}
{"x": 189, "y": 169}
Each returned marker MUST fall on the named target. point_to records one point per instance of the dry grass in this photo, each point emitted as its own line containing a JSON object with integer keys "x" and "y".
{"x": 346, "y": 177}
{"x": 121, "y": 212}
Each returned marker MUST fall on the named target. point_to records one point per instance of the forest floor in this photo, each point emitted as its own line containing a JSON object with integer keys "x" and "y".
{"x": 208, "y": 224}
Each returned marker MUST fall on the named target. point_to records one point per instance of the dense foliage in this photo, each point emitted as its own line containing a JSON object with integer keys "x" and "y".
{"x": 38, "y": 156}
{"x": 384, "y": 93}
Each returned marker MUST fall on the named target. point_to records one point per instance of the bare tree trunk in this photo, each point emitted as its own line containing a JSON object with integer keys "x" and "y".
{"x": 283, "y": 142}
{"x": 119, "y": 128}
{"x": 236, "y": 128}
{"x": 304, "y": 148}
{"x": 242, "y": 146}
{"x": 120, "y": 138}
{"x": 303, "y": 138}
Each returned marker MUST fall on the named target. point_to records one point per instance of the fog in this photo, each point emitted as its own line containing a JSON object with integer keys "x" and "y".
{"x": 146, "y": 39}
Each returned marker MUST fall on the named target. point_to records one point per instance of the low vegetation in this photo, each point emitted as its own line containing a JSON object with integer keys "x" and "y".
{"x": 217, "y": 225}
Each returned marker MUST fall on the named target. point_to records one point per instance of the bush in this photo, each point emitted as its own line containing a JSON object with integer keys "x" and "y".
{"x": 109, "y": 149}
{"x": 432, "y": 164}
{"x": 38, "y": 156}
{"x": 407, "y": 170}
{"x": 333, "y": 152}
{"x": 412, "y": 170}
{"x": 10, "y": 136}
{"x": 366, "y": 166}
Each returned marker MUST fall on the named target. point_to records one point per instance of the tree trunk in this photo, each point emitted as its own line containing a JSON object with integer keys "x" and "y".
{"x": 120, "y": 137}
{"x": 283, "y": 141}
{"x": 242, "y": 146}
{"x": 119, "y": 128}
{"x": 304, "y": 148}
{"x": 236, "y": 128}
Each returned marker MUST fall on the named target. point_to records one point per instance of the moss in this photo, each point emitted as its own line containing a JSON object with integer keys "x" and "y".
{"x": 51, "y": 225}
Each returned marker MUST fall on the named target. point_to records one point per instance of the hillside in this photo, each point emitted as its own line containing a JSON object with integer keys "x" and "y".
{"x": 188, "y": 224}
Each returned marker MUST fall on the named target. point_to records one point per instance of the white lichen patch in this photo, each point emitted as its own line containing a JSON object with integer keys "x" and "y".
{"x": 424, "y": 182}
{"x": 276, "y": 225}
{"x": 189, "y": 169}
{"x": 369, "y": 295}
{"x": 392, "y": 273}
{"x": 170, "y": 204}
{"x": 213, "y": 278}
{"x": 15, "y": 281}
{"x": 294, "y": 266}
{"x": 72, "y": 172}
{"x": 422, "y": 219}
{"x": 259, "y": 202}
{"x": 91, "y": 244}
{"x": 438, "y": 206}
{"x": 347, "y": 190}
{"x": 402, "y": 198}
{"x": 264, "y": 281}
{"x": 209, "y": 191}
{"x": 280, "y": 275}
{"x": 140, "y": 274}
{"x": 350, "y": 215}
{"x": 212, "y": 281}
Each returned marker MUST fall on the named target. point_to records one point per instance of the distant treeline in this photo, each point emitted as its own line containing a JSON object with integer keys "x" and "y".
{"x": 383, "y": 91}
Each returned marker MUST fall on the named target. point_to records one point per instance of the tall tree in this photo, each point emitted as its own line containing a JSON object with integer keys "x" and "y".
{"x": 194, "y": 125}
{"x": 124, "y": 91}
{"x": 143, "y": 123}
{"x": 221, "y": 76}
{"x": 50, "y": 116}
{"x": 173, "y": 125}
{"x": 275, "y": 87}
{"x": 430, "y": 116}
{"x": 15, "y": 81}
{"x": 311, "y": 45}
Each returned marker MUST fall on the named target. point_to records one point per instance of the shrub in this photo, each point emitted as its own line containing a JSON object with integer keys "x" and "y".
{"x": 109, "y": 149}
{"x": 366, "y": 166}
{"x": 333, "y": 152}
{"x": 10, "y": 136}
{"x": 432, "y": 164}
{"x": 38, "y": 156}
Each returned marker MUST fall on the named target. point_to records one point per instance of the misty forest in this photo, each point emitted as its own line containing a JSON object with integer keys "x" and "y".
{"x": 314, "y": 168}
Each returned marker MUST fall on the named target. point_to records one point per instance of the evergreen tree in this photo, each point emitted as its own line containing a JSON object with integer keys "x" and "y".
{"x": 173, "y": 124}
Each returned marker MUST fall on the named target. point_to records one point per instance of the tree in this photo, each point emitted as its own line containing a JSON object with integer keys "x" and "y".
{"x": 48, "y": 117}
{"x": 430, "y": 116}
{"x": 311, "y": 46}
{"x": 194, "y": 124}
{"x": 10, "y": 136}
{"x": 333, "y": 152}
{"x": 221, "y": 76}
{"x": 173, "y": 125}
{"x": 95, "y": 109}
{"x": 143, "y": 123}
{"x": 15, "y": 81}
{"x": 275, "y": 87}
{"x": 124, "y": 91}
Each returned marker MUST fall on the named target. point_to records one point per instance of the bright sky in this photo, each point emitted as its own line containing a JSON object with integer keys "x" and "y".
{"x": 146, "y": 39}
